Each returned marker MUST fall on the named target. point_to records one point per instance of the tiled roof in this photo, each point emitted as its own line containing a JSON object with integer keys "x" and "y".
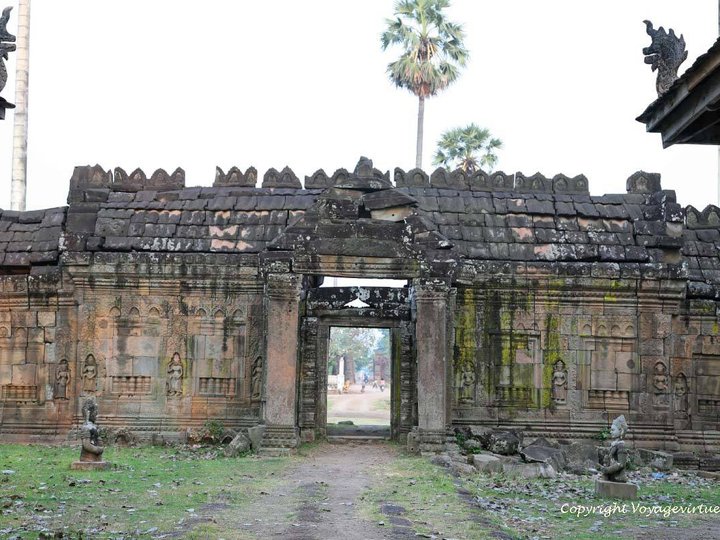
{"x": 30, "y": 238}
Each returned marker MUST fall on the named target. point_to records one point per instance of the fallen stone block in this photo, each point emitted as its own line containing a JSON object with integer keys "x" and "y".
{"x": 580, "y": 456}
{"x": 458, "y": 457}
{"x": 443, "y": 460}
{"x": 658, "y": 461}
{"x": 241, "y": 443}
{"x": 505, "y": 443}
{"x": 662, "y": 462}
{"x": 529, "y": 470}
{"x": 487, "y": 463}
{"x": 462, "y": 469}
{"x": 544, "y": 454}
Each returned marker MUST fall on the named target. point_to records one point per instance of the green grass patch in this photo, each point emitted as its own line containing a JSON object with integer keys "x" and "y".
{"x": 496, "y": 504}
{"x": 157, "y": 488}
{"x": 544, "y": 507}
{"x": 430, "y": 498}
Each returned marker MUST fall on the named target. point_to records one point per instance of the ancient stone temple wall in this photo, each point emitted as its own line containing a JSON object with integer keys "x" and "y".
{"x": 529, "y": 303}
{"x": 163, "y": 351}
{"x": 557, "y": 357}
{"x": 37, "y": 353}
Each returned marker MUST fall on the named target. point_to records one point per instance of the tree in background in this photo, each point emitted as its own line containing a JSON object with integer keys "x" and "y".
{"x": 433, "y": 52}
{"x": 469, "y": 148}
{"x": 360, "y": 343}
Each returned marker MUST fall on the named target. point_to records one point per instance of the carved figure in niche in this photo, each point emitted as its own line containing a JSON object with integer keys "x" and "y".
{"x": 466, "y": 389}
{"x": 615, "y": 464}
{"x": 89, "y": 375}
{"x": 174, "y": 376}
{"x": 559, "y": 383}
{"x": 256, "y": 377}
{"x": 660, "y": 379}
{"x": 89, "y": 434}
{"x": 62, "y": 378}
{"x": 661, "y": 385}
{"x": 681, "y": 394}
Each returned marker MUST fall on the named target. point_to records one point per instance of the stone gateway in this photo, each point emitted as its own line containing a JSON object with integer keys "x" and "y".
{"x": 529, "y": 305}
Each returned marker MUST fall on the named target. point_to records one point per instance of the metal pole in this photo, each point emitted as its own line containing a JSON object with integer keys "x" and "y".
{"x": 18, "y": 187}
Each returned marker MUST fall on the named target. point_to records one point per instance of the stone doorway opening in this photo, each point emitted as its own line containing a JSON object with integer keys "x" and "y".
{"x": 359, "y": 381}
{"x": 385, "y": 309}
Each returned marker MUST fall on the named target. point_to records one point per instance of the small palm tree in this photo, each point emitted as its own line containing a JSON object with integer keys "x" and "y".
{"x": 470, "y": 148}
{"x": 433, "y": 52}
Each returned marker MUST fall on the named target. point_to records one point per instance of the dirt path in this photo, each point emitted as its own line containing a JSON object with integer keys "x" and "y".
{"x": 370, "y": 405}
{"x": 318, "y": 498}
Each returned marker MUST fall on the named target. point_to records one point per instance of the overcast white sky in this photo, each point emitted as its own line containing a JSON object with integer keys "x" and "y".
{"x": 168, "y": 83}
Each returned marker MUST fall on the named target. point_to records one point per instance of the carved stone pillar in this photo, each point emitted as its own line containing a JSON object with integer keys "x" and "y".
{"x": 283, "y": 302}
{"x": 430, "y": 330}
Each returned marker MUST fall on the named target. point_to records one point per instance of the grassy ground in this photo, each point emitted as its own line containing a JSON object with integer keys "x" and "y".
{"x": 495, "y": 506}
{"x": 430, "y": 498}
{"x": 152, "y": 490}
{"x": 544, "y": 508}
{"x": 195, "y": 493}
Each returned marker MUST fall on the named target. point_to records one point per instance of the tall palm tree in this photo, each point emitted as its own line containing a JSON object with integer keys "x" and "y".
{"x": 433, "y": 52}
{"x": 469, "y": 148}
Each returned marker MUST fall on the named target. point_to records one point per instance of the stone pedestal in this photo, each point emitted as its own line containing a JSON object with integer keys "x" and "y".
{"x": 89, "y": 465}
{"x": 615, "y": 490}
{"x": 283, "y": 304}
{"x": 279, "y": 440}
{"x": 430, "y": 326}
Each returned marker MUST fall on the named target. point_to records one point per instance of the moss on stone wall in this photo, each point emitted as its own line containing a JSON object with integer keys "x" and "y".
{"x": 552, "y": 354}
{"x": 465, "y": 330}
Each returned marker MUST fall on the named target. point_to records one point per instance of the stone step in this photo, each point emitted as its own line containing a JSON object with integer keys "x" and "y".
{"x": 356, "y": 439}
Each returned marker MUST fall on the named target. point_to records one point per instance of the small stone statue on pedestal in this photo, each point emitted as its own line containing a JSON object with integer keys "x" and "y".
{"x": 614, "y": 482}
{"x": 91, "y": 451}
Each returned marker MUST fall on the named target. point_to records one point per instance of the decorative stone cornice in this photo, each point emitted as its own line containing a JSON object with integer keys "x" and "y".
{"x": 431, "y": 290}
{"x": 283, "y": 286}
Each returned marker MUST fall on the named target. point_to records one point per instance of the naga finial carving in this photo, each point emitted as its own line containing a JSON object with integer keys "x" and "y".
{"x": 665, "y": 54}
{"x": 7, "y": 45}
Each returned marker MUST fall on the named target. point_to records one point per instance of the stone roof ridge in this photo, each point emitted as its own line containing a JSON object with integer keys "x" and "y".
{"x": 442, "y": 178}
{"x": 90, "y": 183}
{"x": 708, "y": 218}
{"x": 318, "y": 180}
{"x": 365, "y": 177}
{"x": 283, "y": 179}
{"x": 137, "y": 180}
{"x": 643, "y": 182}
{"x": 235, "y": 177}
